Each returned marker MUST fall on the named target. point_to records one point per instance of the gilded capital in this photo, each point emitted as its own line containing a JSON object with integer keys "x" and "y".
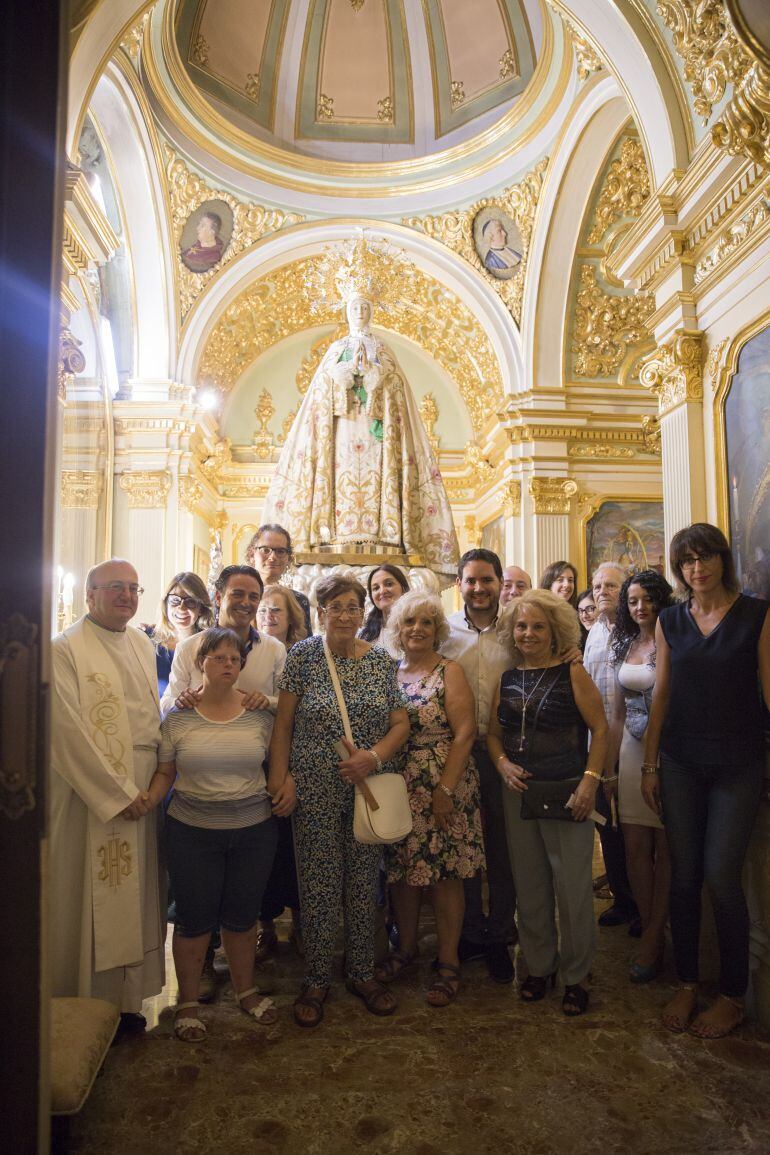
{"x": 146, "y": 488}
{"x": 190, "y": 492}
{"x": 674, "y": 371}
{"x": 80, "y": 488}
{"x": 552, "y": 494}
{"x": 512, "y": 498}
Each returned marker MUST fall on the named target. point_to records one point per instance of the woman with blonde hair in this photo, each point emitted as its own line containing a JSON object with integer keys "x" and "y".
{"x": 184, "y": 609}
{"x": 281, "y": 615}
{"x": 445, "y": 845}
{"x": 537, "y": 740}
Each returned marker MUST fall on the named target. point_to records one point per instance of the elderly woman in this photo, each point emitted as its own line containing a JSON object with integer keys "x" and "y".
{"x": 446, "y": 843}
{"x": 537, "y": 740}
{"x": 280, "y": 615}
{"x": 632, "y": 653}
{"x": 184, "y": 610}
{"x": 270, "y": 552}
{"x": 306, "y": 771}
{"x": 220, "y": 834}
{"x": 385, "y": 585}
{"x": 706, "y": 726}
{"x": 561, "y": 579}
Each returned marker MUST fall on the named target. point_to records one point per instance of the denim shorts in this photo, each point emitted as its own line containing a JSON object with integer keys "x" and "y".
{"x": 218, "y": 877}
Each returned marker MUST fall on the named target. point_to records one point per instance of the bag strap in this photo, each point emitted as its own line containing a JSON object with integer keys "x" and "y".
{"x": 371, "y": 801}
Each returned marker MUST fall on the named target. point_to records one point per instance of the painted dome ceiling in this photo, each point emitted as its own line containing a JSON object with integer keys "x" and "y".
{"x": 357, "y": 80}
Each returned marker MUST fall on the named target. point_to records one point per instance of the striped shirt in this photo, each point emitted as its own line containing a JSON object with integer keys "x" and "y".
{"x": 220, "y": 776}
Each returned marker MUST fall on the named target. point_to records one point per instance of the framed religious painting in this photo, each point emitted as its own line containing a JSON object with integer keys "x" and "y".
{"x": 628, "y": 532}
{"x": 206, "y": 235}
{"x": 498, "y": 242}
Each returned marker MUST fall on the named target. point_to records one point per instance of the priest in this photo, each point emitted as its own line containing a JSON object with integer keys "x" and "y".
{"x": 107, "y": 924}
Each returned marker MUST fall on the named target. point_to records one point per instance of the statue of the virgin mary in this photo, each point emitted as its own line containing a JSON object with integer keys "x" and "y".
{"x": 357, "y": 469}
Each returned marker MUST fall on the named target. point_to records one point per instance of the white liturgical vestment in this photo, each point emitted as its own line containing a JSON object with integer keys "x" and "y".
{"x": 108, "y": 920}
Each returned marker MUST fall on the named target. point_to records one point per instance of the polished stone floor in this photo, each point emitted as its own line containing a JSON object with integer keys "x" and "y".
{"x": 486, "y": 1075}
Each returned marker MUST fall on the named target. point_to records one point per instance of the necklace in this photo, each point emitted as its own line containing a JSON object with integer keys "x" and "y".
{"x": 525, "y": 702}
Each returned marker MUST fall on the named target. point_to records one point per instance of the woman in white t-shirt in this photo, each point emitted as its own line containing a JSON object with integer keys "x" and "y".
{"x": 221, "y": 835}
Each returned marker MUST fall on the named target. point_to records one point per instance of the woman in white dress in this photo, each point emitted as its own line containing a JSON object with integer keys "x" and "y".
{"x": 642, "y": 598}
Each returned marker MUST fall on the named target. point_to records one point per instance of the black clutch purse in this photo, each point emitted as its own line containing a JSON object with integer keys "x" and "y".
{"x": 548, "y": 799}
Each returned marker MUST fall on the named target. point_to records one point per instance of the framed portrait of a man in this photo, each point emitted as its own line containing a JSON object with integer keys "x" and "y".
{"x": 206, "y": 235}
{"x": 498, "y": 242}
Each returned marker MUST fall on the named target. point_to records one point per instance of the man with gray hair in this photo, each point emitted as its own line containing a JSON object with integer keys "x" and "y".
{"x": 607, "y": 581}
{"x": 108, "y": 927}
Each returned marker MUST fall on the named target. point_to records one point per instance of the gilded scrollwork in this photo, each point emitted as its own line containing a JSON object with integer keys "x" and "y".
{"x": 714, "y": 361}
{"x": 600, "y": 449}
{"x": 507, "y": 65}
{"x": 651, "y": 433}
{"x": 674, "y": 371}
{"x": 262, "y": 438}
{"x": 511, "y": 495}
{"x": 552, "y": 495}
{"x": 711, "y": 53}
{"x": 187, "y": 192}
{"x": 480, "y": 467}
{"x": 733, "y": 237}
{"x": 587, "y": 58}
{"x": 625, "y": 188}
{"x": 132, "y": 41}
{"x": 80, "y": 488}
{"x": 606, "y": 326}
{"x": 744, "y": 126}
{"x": 146, "y": 488}
{"x": 455, "y": 230}
{"x": 218, "y": 461}
{"x": 190, "y": 492}
{"x": 429, "y": 415}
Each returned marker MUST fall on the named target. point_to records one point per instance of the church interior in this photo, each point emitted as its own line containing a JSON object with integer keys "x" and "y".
{"x": 571, "y": 203}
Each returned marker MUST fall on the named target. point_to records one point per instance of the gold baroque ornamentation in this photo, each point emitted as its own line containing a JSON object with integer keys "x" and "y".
{"x": 187, "y": 192}
{"x": 457, "y": 94}
{"x": 744, "y": 126}
{"x": 71, "y": 361}
{"x": 588, "y": 59}
{"x": 599, "y": 449}
{"x": 356, "y": 5}
{"x": 288, "y": 421}
{"x": 190, "y": 492}
{"x": 552, "y": 494}
{"x": 218, "y": 461}
{"x": 455, "y": 230}
{"x": 511, "y": 495}
{"x": 625, "y": 188}
{"x": 651, "y": 434}
{"x": 385, "y": 111}
{"x": 263, "y": 438}
{"x": 132, "y": 41}
{"x": 429, "y": 416}
{"x": 80, "y": 488}
{"x": 674, "y": 371}
{"x": 733, "y": 237}
{"x": 200, "y": 52}
{"x": 146, "y": 488}
{"x": 714, "y": 359}
{"x": 706, "y": 41}
{"x": 459, "y": 489}
{"x": 481, "y": 469}
{"x": 247, "y": 487}
{"x": 606, "y": 326}
{"x": 253, "y": 85}
{"x": 277, "y": 306}
{"x": 312, "y": 360}
{"x": 325, "y": 109}
{"x": 507, "y": 65}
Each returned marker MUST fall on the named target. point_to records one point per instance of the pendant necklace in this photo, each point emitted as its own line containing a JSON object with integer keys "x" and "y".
{"x": 525, "y": 702}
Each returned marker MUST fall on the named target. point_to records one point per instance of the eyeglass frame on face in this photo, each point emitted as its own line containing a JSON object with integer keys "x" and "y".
{"x": 343, "y": 611}
{"x": 220, "y": 659}
{"x": 690, "y": 562}
{"x": 133, "y": 588}
{"x": 189, "y": 603}
{"x": 587, "y": 610}
{"x": 279, "y": 551}
{"x": 270, "y": 611}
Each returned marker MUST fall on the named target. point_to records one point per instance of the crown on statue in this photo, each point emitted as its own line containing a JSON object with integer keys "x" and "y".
{"x": 360, "y": 267}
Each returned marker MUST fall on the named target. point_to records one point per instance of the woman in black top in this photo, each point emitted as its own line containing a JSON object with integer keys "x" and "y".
{"x": 707, "y": 721}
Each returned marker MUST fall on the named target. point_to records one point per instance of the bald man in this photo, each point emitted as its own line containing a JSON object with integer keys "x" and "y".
{"x": 108, "y": 931}
{"x": 515, "y": 582}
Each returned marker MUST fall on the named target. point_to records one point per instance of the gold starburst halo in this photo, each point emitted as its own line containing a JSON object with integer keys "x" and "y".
{"x": 360, "y": 267}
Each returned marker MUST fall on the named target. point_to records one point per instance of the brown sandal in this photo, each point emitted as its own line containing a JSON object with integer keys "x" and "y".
{"x": 372, "y": 999}
{"x": 444, "y": 988}
{"x": 315, "y": 1004}
{"x": 393, "y": 966}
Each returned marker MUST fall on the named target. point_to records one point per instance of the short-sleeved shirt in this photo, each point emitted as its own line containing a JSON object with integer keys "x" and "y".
{"x": 484, "y": 659}
{"x": 220, "y": 769}
{"x": 371, "y": 692}
{"x": 715, "y": 713}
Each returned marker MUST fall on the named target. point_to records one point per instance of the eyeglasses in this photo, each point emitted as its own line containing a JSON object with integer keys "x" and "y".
{"x": 280, "y": 552}
{"x": 692, "y": 560}
{"x": 587, "y": 611}
{"x": 343, "y": 611}
{"x": 269, "y": 611}
{"x": 188, "y": 603}
{"x": 116, "y": 588}
{"x": 224, "y": 659}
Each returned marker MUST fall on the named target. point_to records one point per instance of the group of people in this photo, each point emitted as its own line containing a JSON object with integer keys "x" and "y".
{"x": 517, "y": 722}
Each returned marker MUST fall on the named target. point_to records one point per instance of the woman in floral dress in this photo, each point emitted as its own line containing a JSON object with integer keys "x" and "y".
{"x": 445, "y": 845}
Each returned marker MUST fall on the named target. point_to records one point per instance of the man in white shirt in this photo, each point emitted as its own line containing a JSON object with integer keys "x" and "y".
{"x": 516, "y": 581}
{"x": 474, "y": 644}
{"x": 607, "y": 581}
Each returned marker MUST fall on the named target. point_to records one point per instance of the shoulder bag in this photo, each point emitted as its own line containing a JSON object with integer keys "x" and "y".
{"x": 382, "y": 813}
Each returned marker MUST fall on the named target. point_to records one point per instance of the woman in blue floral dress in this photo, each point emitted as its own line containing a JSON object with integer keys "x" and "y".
{"x": 446, "y": 844}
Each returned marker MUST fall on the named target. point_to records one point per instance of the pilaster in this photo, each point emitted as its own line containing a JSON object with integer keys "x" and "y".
{"x": 551, "y": 499}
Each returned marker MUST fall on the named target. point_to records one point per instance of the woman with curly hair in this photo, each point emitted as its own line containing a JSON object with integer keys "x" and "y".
{"x": 562, "y": 580}
{"x": 537, "y": 741}
{"x": 632, "y": 653}
{"x": 385, "y": 585}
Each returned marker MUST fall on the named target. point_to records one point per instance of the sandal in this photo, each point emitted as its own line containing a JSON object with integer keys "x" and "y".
{"x": 704, "y": 1030}
{"x": 444, "y": 987}
{"x": 266, "y": 943}
{"x": 534, "y": 988}
{"x": 265, "y": 1011}
{"x": 675, "y": 1022}
{"x": 575, "y": 1001}
{"x": 315, "y": 1004}
{"x": 394, "y": 966}
{"x": 373, "y": 998}
{"x": 189, "y": 1029}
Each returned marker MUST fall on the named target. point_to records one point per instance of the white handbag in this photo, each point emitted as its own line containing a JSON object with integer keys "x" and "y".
{"x": 382, "y": 813}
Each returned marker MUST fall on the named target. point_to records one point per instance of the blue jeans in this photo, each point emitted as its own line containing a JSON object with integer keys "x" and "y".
{"x": 708, "y": 813}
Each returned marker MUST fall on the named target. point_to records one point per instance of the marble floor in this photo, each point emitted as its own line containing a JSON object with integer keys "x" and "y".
{"x": 486, "y": 1075}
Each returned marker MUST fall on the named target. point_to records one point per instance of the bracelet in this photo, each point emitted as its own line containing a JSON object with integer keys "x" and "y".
{"x": 648, "y": 768}
{"x": 499, "y": 758}
{"x": 612, "y": 778}
{"x": 377, "y": 759}
{"x": 449, "y": 793}
{"x": 594, "y": 774}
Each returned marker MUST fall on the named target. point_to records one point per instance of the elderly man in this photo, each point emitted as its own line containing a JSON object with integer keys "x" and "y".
{"x": 516, "y": 581}
{"x": 108, "y": 926}
{"x": 607, "y": 581}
